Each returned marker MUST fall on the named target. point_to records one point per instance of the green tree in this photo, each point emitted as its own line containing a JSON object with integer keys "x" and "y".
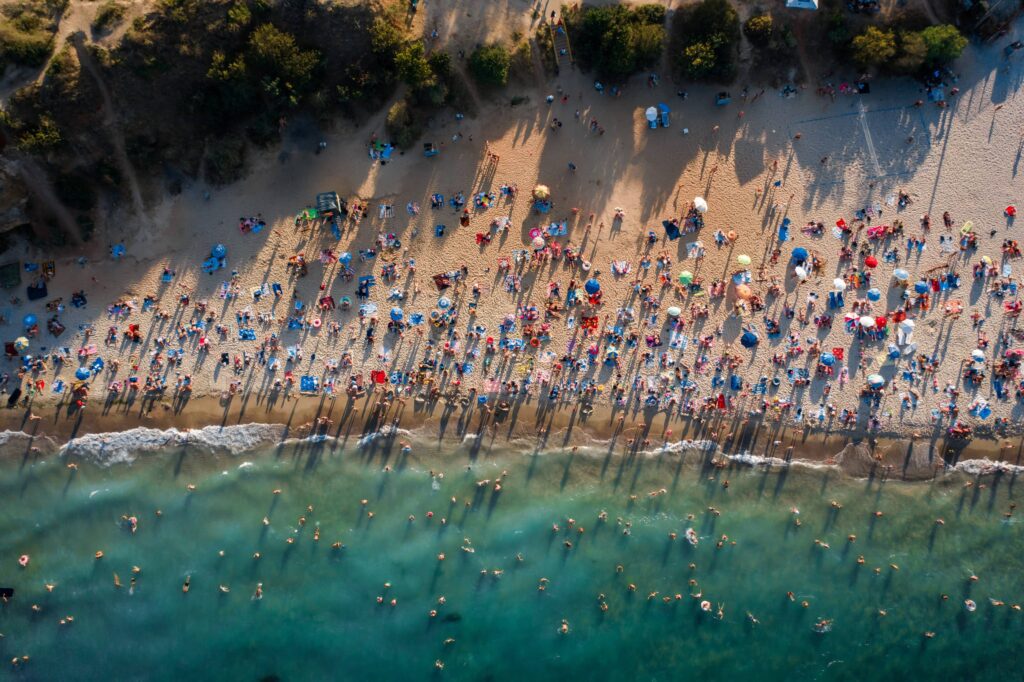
{"x": 274, "y": 54}
{"x": 648, "y": 43}
{"x": 489, "y": 65}
{"x": 699, "y": 59}
{"x": 912, "y": 53}
{"x": 874, "y": 47}
{"x": 758, "y": 30}
{"x": 944, "y": 43}
{"x": 412, "y": 65}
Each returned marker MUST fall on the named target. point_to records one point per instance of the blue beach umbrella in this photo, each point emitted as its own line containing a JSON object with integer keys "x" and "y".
{"x": 345, "y": 258}
{"x": 82, "y": 373}
{"x": 799, "y": 254}
{"x": 397, "y": 314}
{"x": 874, "y": 294}
{"x": 219, "y": 251}
{"x": 828, "y": 359}
{"x": 749, "y": 339}
{"x": 592, "y": 286}
{"x": 29, "y": 320}
{"x": 921, "y": 287}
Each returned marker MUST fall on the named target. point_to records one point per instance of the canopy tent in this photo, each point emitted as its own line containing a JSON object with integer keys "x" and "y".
{"x": 329, "y": 204}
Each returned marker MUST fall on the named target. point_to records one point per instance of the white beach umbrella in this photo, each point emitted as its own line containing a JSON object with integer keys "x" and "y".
{"x": 700, "y": 204}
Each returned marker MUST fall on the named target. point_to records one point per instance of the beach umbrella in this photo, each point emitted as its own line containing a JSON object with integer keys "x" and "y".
{"x": 874, "y": 294}
{"x": 987, "y": 260}
{"x": 345, "y": 258}
{"x": 881, "y": 321}
{"x": 743, "y": 259}
{"x": 871, "y": 262}
{"x": 538, "y": 243}
{"x": 867, "y": 322}
{"x": 921, "y": 287}
{"x": 592, "y": 286}
{"x": 674, "y": 311}
{"x": 82, "y": 373}
{"x": 749, "y": 339}
{"x": 685, "y": 277}
{"x": 978, "y": 355}
{"x": 828, "y": 359}
{"x": 839, "y": 283}
{"x": 901, "y": 274}
{"x": 744, "y": 292}
{"x": 29, "y": 320}
{"x": 700, "y": 205}
{"x": 611, "y": 353}
{"x": 20, "y": 343}
{"x": 799, "y": 254}
{"x": 219, "y": 251}
{"x": 651, "y": 114}
{"x": 894, "y": 351}
{"x": 397, "y": 314}
{"x": 876, "y": 380}
{"x": 801, "y": 272}
{"x": 444, "y": 302}
{"x": 541, "y": 192}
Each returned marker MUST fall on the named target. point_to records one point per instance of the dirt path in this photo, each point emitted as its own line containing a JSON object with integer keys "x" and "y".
{"x": 110, "y": 117}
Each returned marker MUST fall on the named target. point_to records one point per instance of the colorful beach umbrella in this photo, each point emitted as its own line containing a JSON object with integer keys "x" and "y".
{"x": 541, "y": 192}
{"x": 20, "y": 343}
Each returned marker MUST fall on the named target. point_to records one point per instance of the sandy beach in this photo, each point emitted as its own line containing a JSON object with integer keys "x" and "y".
{"x": 765, "y": 158}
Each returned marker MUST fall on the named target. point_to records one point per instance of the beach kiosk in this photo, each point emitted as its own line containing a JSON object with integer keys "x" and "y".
{"x": 330, "y": 205}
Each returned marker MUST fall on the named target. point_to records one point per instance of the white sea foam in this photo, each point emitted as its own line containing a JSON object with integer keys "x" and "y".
{"x": 126, "y": 446}
{"x": 982, "y": 467}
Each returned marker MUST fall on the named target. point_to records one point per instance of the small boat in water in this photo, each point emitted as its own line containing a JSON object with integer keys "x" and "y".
{"x": 691, "y": 536}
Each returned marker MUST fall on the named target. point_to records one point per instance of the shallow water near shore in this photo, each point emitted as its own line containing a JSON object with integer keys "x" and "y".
{"x": 319, "y": 617}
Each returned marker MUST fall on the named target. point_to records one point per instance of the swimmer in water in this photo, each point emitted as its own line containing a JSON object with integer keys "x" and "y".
{"x": 187, "y": 584}
{"x": 258, "y": 594}
{"x": 752, "y": 619}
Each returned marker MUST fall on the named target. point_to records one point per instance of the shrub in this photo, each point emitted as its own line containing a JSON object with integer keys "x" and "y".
{"x": 705, "y": 37}
{"x": 489, "y": 65}
{"x": 109, "y": 15}
{"x": 43, "y": 137}
{"x": 412, "y": 65}
{"x": 402, "y": 125}
{"x": 75, "y": 191}
{"x": 225, "y": 160}
{"x": 758, "y": 30}
{"x": 944, "y": 43}
{"x": 615, "y": 40}
{"x": 874, "y": 47}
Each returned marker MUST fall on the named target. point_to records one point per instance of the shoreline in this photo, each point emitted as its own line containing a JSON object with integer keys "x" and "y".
{"x": 855, "y": 453}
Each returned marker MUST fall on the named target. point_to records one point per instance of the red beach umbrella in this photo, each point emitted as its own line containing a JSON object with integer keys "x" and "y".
{"x": 871, "y": 262}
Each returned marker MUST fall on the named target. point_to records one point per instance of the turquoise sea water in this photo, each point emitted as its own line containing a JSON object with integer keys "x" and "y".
{"x": 319, "y": 617}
